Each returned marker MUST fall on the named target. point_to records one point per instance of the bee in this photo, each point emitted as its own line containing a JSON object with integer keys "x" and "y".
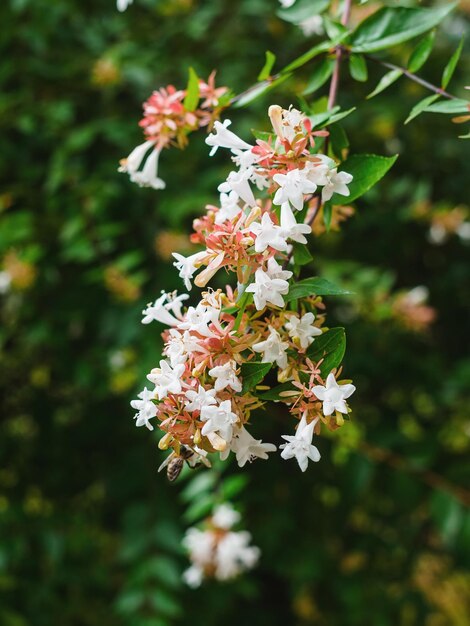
{"x": 175, "y": 461}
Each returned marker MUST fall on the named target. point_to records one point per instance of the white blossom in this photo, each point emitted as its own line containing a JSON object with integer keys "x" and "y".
{"x": 198, "y": 319}
{"x": 180, "y": 345}
{"x": 311, "y": 25}
{"x": 225, "y": 516}
{"x": 5, "y": 281}
{"x": 273, "y": 349}
{"x": 224, "y": 138}
{"x": 287, "y": 3}
{"x": 302, "y": 329}
{"x": 187, "y": 265}
{"x": 299, "y": 446}
{"x": 234, "y": 555}
{"x": 291, "y": 228}
{"x": 247, "y": 448}
{"x": 239, "y": 183}
{"x": 333, "y": 395}
{"x": 162, "y": 309}
{"x": 292, "y": 187}
{"x": 268, "y": 234}
{"x": 274, "y": 270}
{"x": 336, "y": 183}
{"x": 123, "y": 4}
{"x": 219, "y": 420}
{"x": 229, "y": 207}
{"x": 145, "y": 408}
{"x": 225, "y": 376}
{"x": 196, "y": 400}
{"x": 166, "y": 379}
{"x": 148, "y": 175}
{"x": 266, "y": 289}
{"x": 193, "y": 576}
{"x": 200, "y": 545}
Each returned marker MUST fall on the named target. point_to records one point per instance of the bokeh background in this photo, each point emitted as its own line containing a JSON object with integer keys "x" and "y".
{"x": 378, "y": 532}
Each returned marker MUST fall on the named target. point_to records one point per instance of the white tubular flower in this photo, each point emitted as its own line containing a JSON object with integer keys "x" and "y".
{"x": 134, "y": 160}
{"x": 273, "y": 349}
{"x": 225, "y": 376}
{"x": 268, "y": 234}
{"x": 239, "y": 183}
{"x": 225, "y": 516}
{"x": 300, "y": 445}
{"x": 198, "y": 319}
{"x": 287, "y": 3}
{"x": 274, "y": 270}
{"x": 224, "y": 138}
{"x": 197, "y": 400}
{"x": 123, "y": 4}
{"x": 166, "y": 379}
{"x": 200, "y": 545}
{"x": 336, "y": 183}
{"x": 148, "y": 176}
{"x": 266, "y": 289}
{"x": 292, "y": 187}
{"x": 247, "y": 448}
{"x": 187, "y": 266}
{"x": 180, "y": 345}
{"x": 292, "y": 230}
{"x": 302, "y": 329}
{"x": 229, "y": 207}
{"x": 193, "y": 576}
{"x": 333, "y": 395}
{"x": 234, "y": 555}
{"x": 145, "y": 407}
{"x": 219, "y": 420}
{"x": 158, "y": 312}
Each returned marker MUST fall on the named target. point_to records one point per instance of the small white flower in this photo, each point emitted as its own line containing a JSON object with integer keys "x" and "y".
{"x": 148, "y": 176}
{"x": 200, "y": 545}
{"x": 160, "y": 310}
{"x": 303, "y": 329}
{"x": 292, "y": 187}
{"x": 273, "y": 349}
{"x": 247, "y": 448}
{"x": 268, "y": 234}
{"x": 274, "y": 270}
{"x": 187, "y": 265}
{"x": 225, "y": 516}
{"x": 287, "y": 3}
{"x": 336, "y": 183}
{"x": 193, "y": 576}
{"x": 266, "y": 289}
{"x": 311, "y": 26}
{"x": 145, "y": 407}
{"x": 239, "y": 183}
{"x": 292, "y": 230}
{"x": 5, "y": 281}
{"x": 166, "y": 379}
{"x": 300, "y": 445}
{"x": 225, "y": 376}
{"x": 180, "y": 345}
{"x": 219, "y": 420}
{"x": 123, "y": 4}
{"x": 333, "y": 395}
{"x": 234, "y": 555}
{"x": 198, "y": 319}
{"x": 224, "y": 138}
{"x": 196, "y": 400}
{"x": 229, "y": 207}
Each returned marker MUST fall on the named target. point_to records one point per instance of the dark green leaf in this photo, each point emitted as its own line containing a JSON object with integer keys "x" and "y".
{"x": 314, "y": 286}
{"x": 268, "y": 66}
{"x": 420, "y": 107}
{"x": 449, "y": 106}
{"x": 252, "y": 374}
{"x": 192, "y": 94}
{"x": 324, "y": 46}
{"x": 338, "y": 140}
{"x": 327, "y": 213}
{"x": 258, "y": 90}
{"x": 302, "y": 254}
{"x": 198, "y": 486}
{"x": 367, "y": 170}
{"x": 388, "y": 79}
{"x": 330, "y": 347}
{"x": 276, "y": 393}
{"x": 391, "y": 26}
{"x": 420, "y": 54}
{"x": 450, "y": 67}
{"x": 320, "y": 74}
{"x": 358, "y": 67}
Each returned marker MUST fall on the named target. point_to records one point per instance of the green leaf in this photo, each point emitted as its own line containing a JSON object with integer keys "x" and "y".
{"x": 262, "y": 134}
{"x": 259, "y": 90}
{"x": 252, "y": 374}
{"x": 450, "y": 67}
{"x": 199, "y": 508}
{"x": 320, "y": 120}
{"x": 302, "y": 254}
{"x": 358, "y": 67}
{"x": 233, "y": 485}
{"x": 302, "y": 10}
{"x": 391, "y": 26}
{"x": 192, "y": 93}
{"x": 324, "y": 46}
{"x": 331, "y": 347}
{"x": 338, "y": 140}
{"x": 388, "y": 79}
{"x": 420, "y": 107}
{"x": 198, "y": 486}
{"x": 314, "y": 286}
{"x": 367, "y": 170}
{"x": 268, "y": 66}
{"x": 327, "y": 214}
{"x": 449, "y": 106}
{"x": 320, "y": 74}
{"x": 420, "y": 54}
{"x": 275, "y": 393}
{"x": 335, "y": 30}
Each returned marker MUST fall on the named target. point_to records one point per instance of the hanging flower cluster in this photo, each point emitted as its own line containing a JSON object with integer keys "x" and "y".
{"x": 217, "y": 353}
{"x": 170, "y": 114}
{"x": 217, "y": 551}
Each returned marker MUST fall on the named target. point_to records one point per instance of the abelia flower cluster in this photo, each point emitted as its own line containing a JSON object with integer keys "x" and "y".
{"x": 218, "y": 551}
{"x": 167, "y": 121}
{"x": 202, "y": 396}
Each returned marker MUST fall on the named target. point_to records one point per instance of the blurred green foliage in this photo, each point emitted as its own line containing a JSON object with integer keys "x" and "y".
{"x": 377, "y": 533}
